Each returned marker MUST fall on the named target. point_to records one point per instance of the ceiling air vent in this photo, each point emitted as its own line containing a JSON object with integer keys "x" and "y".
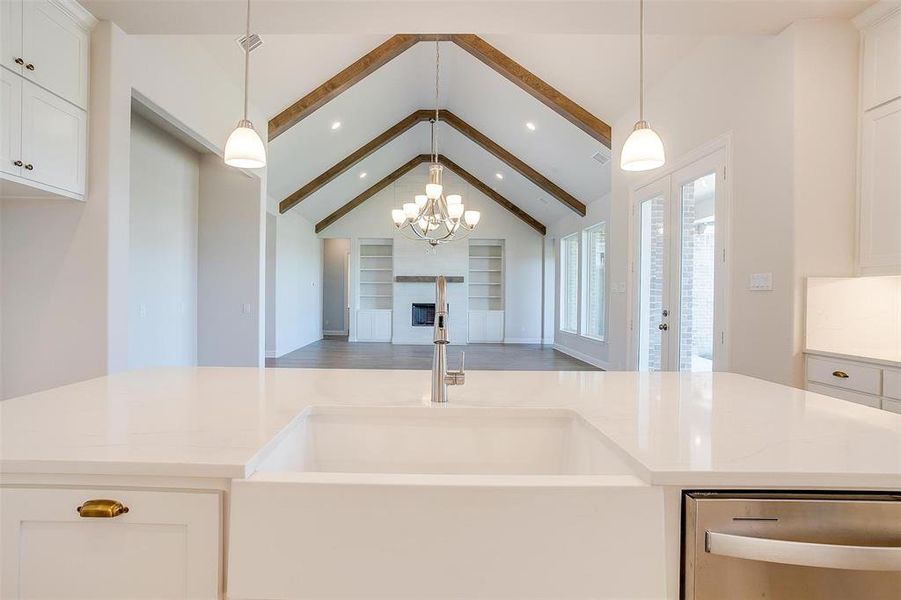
{"x": 602, "y": 156}
{"x": 255, "y": 41}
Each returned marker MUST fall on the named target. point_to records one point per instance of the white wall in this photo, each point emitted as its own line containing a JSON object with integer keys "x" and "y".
{"x": 522, "y": 247}
{"x": 231, "y": 267}
{"x": 298, "y": 277}
{"x": 163, "y": 249}
{"x": 334, "y": 284}
{"x": 786, "y": 152}
{"x": 271, "y": 261}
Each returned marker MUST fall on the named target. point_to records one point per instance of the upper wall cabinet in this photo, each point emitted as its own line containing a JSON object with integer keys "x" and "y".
{"x": 44, "y": 94}
{"x": 879, "y": 205}
{"x": 43, "y": 42}
{"x": 882, "y": 61}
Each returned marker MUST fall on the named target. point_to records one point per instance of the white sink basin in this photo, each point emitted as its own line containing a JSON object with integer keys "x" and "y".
{"x": 444, "y": 441}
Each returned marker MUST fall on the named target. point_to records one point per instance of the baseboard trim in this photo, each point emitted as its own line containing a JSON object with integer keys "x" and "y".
{"x": 583, "y": 357}
{"x": 334, "y": 332}
{"x": 270, "y": 354}
{"x": 522, "y": 340}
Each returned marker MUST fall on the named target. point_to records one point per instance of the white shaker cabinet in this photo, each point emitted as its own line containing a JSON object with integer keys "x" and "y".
{"x": 54, "y": 140}
{"x": 374, "y": 325}
{"x": 166, "y": 546}
{"x": 10, "y": 122}
{"x": 879, "y": 206}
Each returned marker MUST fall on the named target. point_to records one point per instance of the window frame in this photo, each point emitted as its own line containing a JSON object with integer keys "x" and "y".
{"x": 563, "y": 282}
{"x": 585, "y": 277}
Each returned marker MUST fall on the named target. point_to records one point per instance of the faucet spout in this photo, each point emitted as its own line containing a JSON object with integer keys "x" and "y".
{"x": 441, "y": 377}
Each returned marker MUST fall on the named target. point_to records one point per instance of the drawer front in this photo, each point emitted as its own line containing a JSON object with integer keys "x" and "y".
{"x": 166, "y": 546}
{"x": 828, "y": 390}
{"x": 846, "y": 375}
{"x": 891, "y": 384}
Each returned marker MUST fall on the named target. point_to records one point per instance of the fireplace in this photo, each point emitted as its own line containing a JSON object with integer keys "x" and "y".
{"x": 424, "y": 314}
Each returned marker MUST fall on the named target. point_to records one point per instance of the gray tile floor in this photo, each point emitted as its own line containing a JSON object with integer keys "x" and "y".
{"x": 338, "y": 353}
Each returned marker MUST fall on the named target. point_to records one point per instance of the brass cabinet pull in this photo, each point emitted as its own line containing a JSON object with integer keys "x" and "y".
{"x": 840, "y": 374}
{"x": 18, "y": 163}
{"x": 101, "y": 509}
{"x": 20, "y": 61}
{"x": 30, "y": 67}
{"x": 29, "y": 167}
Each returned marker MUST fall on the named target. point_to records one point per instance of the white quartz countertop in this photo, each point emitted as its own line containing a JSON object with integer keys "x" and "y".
{"x": 678, "y": 429}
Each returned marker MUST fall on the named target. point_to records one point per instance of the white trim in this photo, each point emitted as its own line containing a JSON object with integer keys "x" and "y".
{"x": 583, "y": 357}
{"x": 77, "y": 12}
{"x": 548, "y": 341}
{"x": 875, "y": 13}
{"x": 536, "y": 340}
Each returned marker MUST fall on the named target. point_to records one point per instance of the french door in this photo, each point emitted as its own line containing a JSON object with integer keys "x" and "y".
{"x": 679, "y": 269}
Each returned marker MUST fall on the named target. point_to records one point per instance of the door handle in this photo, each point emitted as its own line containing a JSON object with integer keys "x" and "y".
{"x": 805, "y": 554}
{"x": 663, "y": 327}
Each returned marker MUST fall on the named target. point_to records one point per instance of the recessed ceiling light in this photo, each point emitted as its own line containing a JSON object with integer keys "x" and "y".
{"x": 363, "y": 175}
{"x": 530, "y": 126}
{"x": 499, "y": 175}
{"x": 336, "y": 125}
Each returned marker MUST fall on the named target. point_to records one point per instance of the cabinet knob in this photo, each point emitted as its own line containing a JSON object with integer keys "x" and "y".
{"x": 29, "y": 167}
{"x": 663, "y": 327}
{"x": 101, "y": 509}
{"x": 30, "y": 67}
{"x": 18, "y": 163}
{"x": 20, "y": 61}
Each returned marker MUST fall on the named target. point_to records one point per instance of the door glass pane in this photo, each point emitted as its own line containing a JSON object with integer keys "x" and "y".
{"x": 696, "y": 296}
{"x": 651, "y": 293}
{"x": 595, "y": 303}
{"x": 569, "y": 283}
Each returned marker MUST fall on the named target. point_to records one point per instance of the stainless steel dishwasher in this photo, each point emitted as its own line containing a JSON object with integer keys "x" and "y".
{"x": 791, "y": 546}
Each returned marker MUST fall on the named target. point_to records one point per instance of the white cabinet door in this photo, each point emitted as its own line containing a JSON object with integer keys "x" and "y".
{"x": 364, "y": 325}
{"x": 166, "y": 546}
{"x": 53, "y": 140}
{"x": 882, "y": 62}
{"x": 10, "y": 122}
{"x": 11, "y": 34}
{"x": 880, "y": 192}
{"x": 381, "y": 326}
{"x": 55, "y": 49}
{"x": 494, "y": 331}
{"x": 478, "y": 325}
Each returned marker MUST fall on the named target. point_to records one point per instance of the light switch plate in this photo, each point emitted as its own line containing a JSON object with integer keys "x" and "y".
{"x": 246, "y": 308}
{"x": 760, "y": 282}
{"x": 619, "y": 288}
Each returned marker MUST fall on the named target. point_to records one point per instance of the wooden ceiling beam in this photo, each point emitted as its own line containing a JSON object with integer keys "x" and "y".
{"x": 350, "y": 160}
{"x": 358, "y": 70}
{"x": 535, "y": 86}
{"x": 372, "y": 191}
{"x": 474, "y": 45}
{"x": 494, "y": 195}
{"x": 457, "y": 123}
{"x": 513, "y": 162}
{"x": 454, "y": 167}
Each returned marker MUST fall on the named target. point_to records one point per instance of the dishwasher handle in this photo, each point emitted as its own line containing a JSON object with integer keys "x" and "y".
{"x": 829, "y": 556}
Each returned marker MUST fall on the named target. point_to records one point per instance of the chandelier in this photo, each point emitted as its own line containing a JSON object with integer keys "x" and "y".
{"x": 434, "y": 217}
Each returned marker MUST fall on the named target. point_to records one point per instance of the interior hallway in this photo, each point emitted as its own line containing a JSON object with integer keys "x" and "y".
{"x": 338, "y": 353}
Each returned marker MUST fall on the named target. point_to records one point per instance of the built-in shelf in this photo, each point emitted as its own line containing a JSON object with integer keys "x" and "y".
{"x": 376, "y": 269}
{"x": 486, "y": 275}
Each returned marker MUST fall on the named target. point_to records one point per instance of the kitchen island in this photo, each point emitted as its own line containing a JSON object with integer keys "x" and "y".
{"x": 175, "y": 444}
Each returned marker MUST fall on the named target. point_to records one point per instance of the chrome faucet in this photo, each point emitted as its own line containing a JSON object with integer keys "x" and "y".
{"x": 441, "y": 377}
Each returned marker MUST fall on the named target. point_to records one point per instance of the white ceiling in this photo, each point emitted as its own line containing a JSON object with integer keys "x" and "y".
{"x": 482, "y": 16}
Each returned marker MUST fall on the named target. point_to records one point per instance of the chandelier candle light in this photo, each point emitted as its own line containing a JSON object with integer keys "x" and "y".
{"x": 244, "y": 148}
{"x": 643, "y": 149}
{"x": 434, "y": 217}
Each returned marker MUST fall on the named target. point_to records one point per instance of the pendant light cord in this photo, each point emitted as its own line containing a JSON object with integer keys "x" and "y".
{"x": 437, "y": 100}
{"x": 641, "y": 60}
{"x": 246, "y": 58}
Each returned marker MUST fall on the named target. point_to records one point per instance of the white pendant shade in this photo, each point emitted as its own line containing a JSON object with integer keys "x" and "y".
{"x": 433, "y": 190}
{"x": 472, "y": 217}
{"x": 398, "y": 216}
{"x": 455, "y": 211}
{"x": 244, "y": 148}
{"x": 643, "y": 150}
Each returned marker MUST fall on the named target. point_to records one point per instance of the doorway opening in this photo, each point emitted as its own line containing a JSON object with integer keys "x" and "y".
{"x": 335, "y": 288}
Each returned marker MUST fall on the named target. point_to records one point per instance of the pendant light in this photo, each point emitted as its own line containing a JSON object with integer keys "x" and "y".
{"x": 643, "y": 149}
{"x": 244, "y": 148}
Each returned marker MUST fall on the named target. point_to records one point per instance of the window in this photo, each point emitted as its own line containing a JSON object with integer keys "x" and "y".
{"x": 569, "y": 283}
{"x": 595, "y": 301}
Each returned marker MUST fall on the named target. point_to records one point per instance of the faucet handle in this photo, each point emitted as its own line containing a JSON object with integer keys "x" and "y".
{"x": 457, "y": 377}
